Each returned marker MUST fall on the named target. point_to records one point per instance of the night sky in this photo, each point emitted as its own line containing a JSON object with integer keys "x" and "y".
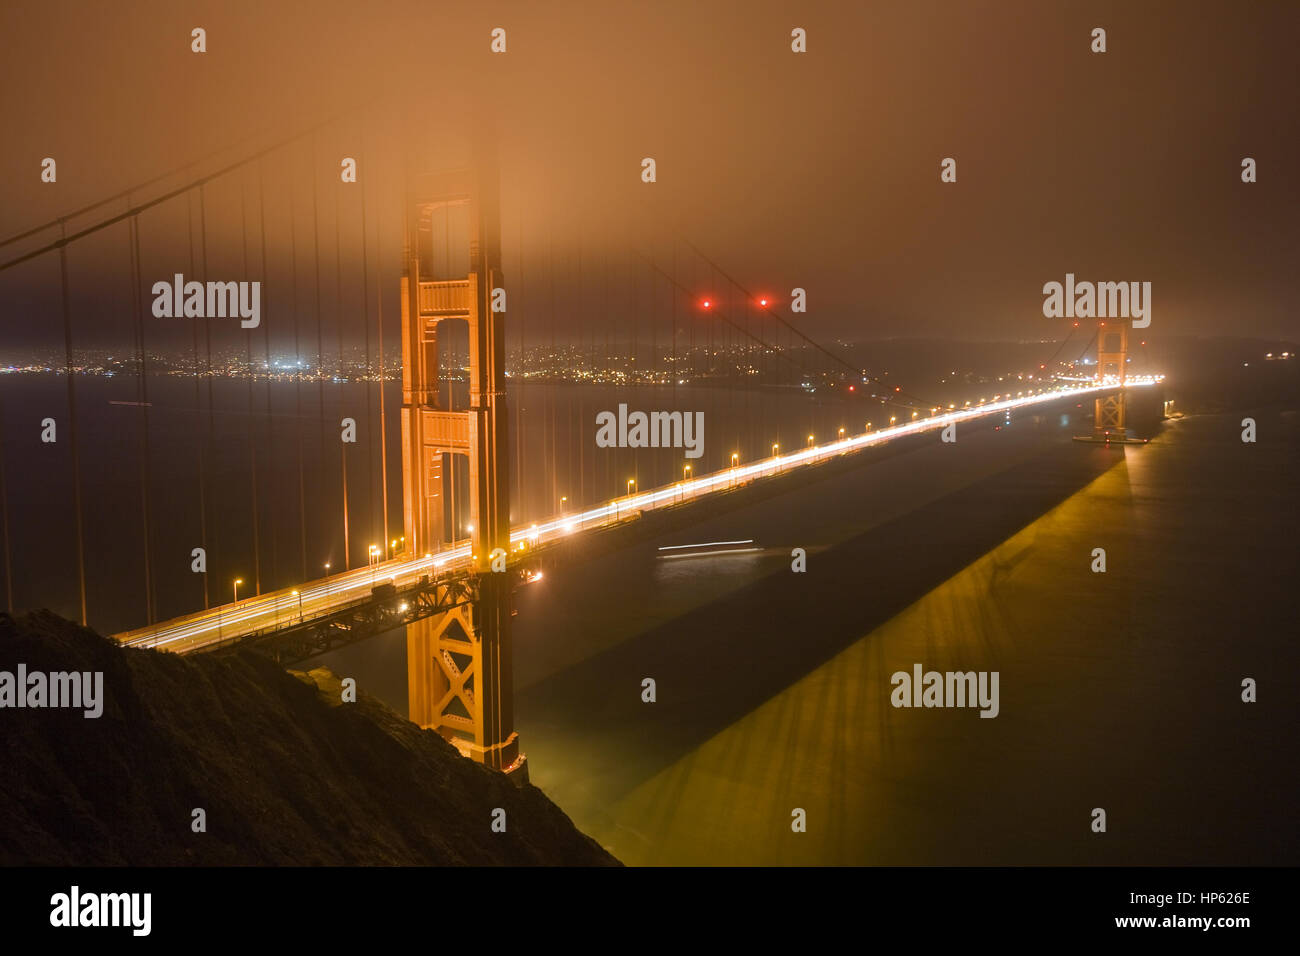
{"x": 819, "y": 170}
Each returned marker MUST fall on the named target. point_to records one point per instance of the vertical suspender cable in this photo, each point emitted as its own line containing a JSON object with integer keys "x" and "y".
{"x": 733, "y": 365}
{"x": 338, "y": 328}
{"x": 654, "y": 356}
{"x": 690, "y": 322}
{"x": 297, "y": 388}
{"x": 207, "y": 346}
{"x": 749, "y": 348}
{"x": 446, "y": 273}
{"x": 72, "y": 430}
{"x": 4, "y": 520}
{"x": 252, "y": 444}
{"x": 453, "y": 500}
{"x": 550, "y": 265}
{"x": 714, "y": 345}
{"x": 142, "y": 398}
{"x": 266, "y": 338}
{"x": 636, "y": 302}
{"x": 604, "y": 320}
{"x": 198, "y": 410}
{"x": 581, "y": 410}
{"x": 365, "y": 311}
{"x": 521, "y": 378}
{"x": 383, "y": 372}
{"x": 447, "y": 350}
{"x": 320, "y": 342}
{"x": 672, "y": 290}
{"x": 631, "y": 366}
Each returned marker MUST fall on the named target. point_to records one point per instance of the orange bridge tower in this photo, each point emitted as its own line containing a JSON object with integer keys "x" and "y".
{"x": 459, "y": 662}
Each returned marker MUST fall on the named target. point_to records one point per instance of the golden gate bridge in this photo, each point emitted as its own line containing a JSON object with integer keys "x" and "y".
{"x": 453, "y": 594}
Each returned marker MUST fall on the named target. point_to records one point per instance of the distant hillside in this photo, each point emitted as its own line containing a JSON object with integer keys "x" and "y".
{"x": 285, "y": 773}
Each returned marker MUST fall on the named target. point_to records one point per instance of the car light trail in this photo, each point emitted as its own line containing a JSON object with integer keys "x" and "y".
{"x": 705, "y": 544}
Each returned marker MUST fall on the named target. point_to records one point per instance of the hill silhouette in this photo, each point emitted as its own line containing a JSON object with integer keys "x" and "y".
{"x": 285, "y": 772}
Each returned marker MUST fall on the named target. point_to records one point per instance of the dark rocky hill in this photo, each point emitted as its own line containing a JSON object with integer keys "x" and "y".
{"x": 285, "y": 772}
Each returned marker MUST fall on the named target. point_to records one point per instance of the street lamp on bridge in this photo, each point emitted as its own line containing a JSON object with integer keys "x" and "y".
{"x": 238, "y": 582}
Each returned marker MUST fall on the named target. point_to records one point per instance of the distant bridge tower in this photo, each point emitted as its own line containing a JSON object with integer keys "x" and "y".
{"x": 1110, "y": 420}
{"x": 459, "y": 662}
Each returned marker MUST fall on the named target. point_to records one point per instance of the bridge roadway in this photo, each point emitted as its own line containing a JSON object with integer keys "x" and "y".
{"x": 284, "y": 608}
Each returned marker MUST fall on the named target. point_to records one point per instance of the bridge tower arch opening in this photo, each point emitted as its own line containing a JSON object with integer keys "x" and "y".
{"x": 459, "y": 672}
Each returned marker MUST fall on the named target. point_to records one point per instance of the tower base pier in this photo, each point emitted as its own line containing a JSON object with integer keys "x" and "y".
{"x": 444, "y": 674}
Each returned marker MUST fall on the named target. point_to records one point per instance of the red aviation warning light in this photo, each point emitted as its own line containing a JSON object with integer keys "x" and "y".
{"x": 763, "y": 303}
{"x": 707, "y": 303}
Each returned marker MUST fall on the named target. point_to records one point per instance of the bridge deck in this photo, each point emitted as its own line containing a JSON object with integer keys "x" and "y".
{"x": 291, "y": 607}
